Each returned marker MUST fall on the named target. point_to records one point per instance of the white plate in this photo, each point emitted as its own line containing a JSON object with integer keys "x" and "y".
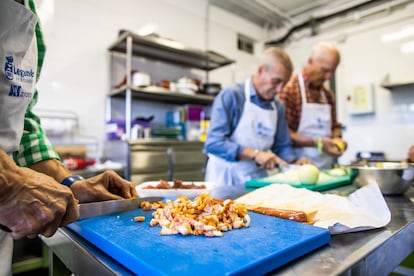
{"x": 172, "y": 193}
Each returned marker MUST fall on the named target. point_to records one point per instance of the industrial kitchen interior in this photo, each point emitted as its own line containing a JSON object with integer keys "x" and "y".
{"x": 156, "y": 92}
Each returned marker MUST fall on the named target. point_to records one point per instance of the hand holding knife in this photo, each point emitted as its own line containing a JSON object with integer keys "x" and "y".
{"x": 108, "y": 207}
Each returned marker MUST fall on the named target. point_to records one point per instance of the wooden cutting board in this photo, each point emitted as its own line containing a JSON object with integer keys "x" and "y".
{"x": 265, "y": 245}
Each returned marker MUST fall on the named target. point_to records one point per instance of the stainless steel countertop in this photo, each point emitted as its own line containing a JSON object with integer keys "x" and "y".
{"x": 373, "y": 252}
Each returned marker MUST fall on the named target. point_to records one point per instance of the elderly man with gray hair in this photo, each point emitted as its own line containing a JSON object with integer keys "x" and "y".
{"x": 311, "y": 111}
{"x": 248, "y": 134}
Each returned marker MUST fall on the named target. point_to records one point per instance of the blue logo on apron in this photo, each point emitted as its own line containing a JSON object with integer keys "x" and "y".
{"x": 322, "y": 123}
{"x": 16, "y": 91}
{"x": 22, "y": 75}
{"x": 264, "y": 131}
{"x": 8, "y": 68}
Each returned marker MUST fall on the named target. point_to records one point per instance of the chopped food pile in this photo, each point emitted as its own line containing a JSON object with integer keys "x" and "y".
{"x": 177, "y": 184}
{"x": 203, "y": 216}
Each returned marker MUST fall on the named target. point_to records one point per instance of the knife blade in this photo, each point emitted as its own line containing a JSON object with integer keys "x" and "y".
{"x": 108, "y": 207}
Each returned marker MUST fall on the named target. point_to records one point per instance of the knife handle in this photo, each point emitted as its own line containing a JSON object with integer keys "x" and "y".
{"x": 299, "y": 216}
{"x": 5, "y": 228}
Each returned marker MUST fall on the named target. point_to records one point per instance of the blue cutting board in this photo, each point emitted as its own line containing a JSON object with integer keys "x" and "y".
{"x": 265, "y": 245}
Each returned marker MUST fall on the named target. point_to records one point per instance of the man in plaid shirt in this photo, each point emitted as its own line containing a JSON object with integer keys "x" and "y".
{"x": 37, "y": 193}
{"x": 310, "y": 108}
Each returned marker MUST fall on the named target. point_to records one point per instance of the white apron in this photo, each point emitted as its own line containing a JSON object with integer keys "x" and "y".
{"x": 18, "y": 61}
{"x": 18, "y": 65}
{"x": 256, "y": 129}
{"x": 315, "y": 122}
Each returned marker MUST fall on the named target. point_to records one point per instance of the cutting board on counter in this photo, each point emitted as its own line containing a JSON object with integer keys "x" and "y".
{"x": 265, "y": 245}
{"x": 326, "y": 184}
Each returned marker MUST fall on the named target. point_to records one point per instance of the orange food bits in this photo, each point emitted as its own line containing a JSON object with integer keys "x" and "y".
{"x": 139, "y": 218}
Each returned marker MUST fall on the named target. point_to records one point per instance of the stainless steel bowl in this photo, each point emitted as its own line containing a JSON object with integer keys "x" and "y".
{"x": 393, "y": 178}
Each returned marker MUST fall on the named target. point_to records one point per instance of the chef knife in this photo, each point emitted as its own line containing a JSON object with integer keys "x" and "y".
{"x": 100, "y": 208}
{"x": 108, "y": 207}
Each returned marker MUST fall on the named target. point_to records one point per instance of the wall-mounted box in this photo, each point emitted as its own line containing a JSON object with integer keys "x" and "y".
{"x": 361, "y": 100}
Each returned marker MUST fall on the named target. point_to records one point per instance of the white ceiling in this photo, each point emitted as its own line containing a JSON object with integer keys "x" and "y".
{"x": 289, "y": 15}
{"x": 262, "y": 12}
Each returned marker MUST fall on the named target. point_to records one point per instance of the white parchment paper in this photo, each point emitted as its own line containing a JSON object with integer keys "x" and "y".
{"x": 362, "y": 210}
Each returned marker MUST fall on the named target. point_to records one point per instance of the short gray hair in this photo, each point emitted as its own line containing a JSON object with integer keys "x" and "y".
{"x": 271, "y": 54}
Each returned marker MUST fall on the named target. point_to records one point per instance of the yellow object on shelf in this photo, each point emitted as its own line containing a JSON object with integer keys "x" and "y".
{"x": 204, "y": 126}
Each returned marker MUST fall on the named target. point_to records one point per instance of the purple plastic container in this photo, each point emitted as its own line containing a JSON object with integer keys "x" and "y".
{"x": 115, "y": 128}
{"x": 194, "y": 112}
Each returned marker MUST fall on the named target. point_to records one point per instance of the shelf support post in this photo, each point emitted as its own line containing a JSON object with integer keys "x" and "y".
{"x": 128, "y": 96}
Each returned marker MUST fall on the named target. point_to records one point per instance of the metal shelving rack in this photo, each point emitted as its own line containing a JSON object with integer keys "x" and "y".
{"x": 164, "y": 50}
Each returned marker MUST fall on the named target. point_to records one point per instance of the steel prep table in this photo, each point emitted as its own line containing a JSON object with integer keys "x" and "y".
{"x": 374, "y": 252}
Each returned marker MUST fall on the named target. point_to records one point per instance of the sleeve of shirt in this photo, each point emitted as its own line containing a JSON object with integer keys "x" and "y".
{"x": 225, "y": 115}
{"x": 34, "y": 145}
{"x": 282, "y": 146}
{"x": 290, "y": 96}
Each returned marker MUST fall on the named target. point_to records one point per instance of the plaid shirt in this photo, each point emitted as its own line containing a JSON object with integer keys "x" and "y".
{"x": 292, "y": 99}
{"x": 34, "y": 145}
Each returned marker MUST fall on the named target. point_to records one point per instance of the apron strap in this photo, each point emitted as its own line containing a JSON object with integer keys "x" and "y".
{"x": 247, "y": 89}
{"x": 303, "y": 90}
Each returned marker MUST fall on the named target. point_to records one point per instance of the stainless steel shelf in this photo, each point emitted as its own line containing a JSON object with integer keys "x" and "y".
{"x": 164, "y": 96}
{"x": 158, "y": 49}
{"x": 394, "y": 86}
{"x": 162, "y": 49}
{"x": 401, "y": 85}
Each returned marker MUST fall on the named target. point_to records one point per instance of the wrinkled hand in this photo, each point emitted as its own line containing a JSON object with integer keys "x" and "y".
{"x": 330, "y": 147}
{"x": 105, "y": 186}
{"x": 268, "y": 160}
{"x": 33, "y": 203}
{"x": 341, "y": 145}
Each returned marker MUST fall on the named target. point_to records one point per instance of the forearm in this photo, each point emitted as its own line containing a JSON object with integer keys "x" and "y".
{"x": 50, "y": 167}
{"x": 7, "y": 167}
{"x": 219, "y": 145}
{"x": 53, "y": 168}
{"x": 247, "y": 154}
{"x": 300, "y": 140}
{"x": 222, "y": 147}
{"x": 325, "y": 144}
